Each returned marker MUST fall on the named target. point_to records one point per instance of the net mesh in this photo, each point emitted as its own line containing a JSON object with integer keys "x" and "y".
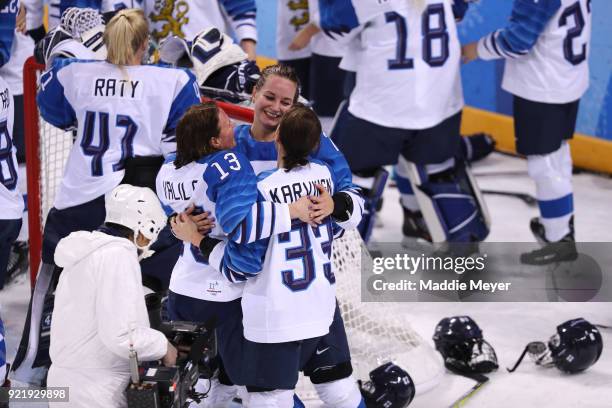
{"x": 377, "y": 332}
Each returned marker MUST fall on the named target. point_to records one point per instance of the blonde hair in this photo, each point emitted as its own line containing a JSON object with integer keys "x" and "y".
{"x": 125, "y": 34}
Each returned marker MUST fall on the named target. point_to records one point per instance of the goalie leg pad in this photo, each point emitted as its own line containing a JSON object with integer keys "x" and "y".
{"x": 451, "y": 204}
{"x": 32, "y": 359}
{"x": 372, "y": 199}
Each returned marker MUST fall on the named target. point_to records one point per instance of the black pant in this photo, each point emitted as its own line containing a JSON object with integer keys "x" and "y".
{"x": 9, "y": 230}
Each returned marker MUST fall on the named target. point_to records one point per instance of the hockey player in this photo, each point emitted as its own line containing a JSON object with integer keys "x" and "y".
{"x": 186, "y": 18}
{"x": 546, "y": 46}
{"x": 275, "y": 93}
{"x": 100, "y": 313}
{"x": 11, "y": 201}
{"x": 326, "y": 79}
{"x": 205, "y": 174}
{"x": 291, "y": 17}
{"x": 406, "y": 109}
{"x": 266, "y": 342}
{"x": 124, "y": 113}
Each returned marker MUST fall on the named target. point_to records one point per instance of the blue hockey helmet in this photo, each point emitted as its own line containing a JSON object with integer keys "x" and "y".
{"x": 390, "y": 386}
{"x": 460, "y": 341}
{"x": 576, "y": 346}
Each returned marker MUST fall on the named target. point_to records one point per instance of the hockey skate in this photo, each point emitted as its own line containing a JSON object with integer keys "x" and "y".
{"x": 18, "y": 261}
{"x": 563, "y": 250}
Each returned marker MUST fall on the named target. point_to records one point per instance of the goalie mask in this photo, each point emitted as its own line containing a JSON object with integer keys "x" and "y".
{"x": 389, "y": 387}
{"x": 138, "y": 209}
{"x": 87, "y": 26}
{"x": 460, "y": 341}
{"x": 576, "y": 346}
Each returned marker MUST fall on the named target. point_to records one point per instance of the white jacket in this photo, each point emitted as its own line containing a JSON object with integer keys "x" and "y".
{"x": 99, "y": 309}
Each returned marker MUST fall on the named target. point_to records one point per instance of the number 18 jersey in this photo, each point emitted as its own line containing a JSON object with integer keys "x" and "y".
{"x": 120, "y": 112}
{"x": 407, "y": 66}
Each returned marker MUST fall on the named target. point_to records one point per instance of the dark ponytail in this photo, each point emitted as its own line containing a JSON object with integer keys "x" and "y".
{"x": 299, "y": 132}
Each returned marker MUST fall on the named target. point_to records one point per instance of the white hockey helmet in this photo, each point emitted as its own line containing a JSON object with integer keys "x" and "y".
{"x": 138, "y": 209}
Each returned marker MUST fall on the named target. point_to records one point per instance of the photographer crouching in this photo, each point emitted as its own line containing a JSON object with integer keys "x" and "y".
{"x": 100, "y": 313}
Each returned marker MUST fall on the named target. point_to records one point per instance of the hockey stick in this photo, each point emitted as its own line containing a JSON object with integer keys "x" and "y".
{"x": 500, "y": 173}
{"x": 528, "y": 199}
{"x": 603, "y": 326}
{"x": 464, "y": 398}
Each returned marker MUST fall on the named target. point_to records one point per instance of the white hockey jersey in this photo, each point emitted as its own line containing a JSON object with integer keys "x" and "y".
{"x": 120, "y": 112}
{"x": 291, "y": 17}
{"x": 407, "y": 65}
{"x": 12, "y": 71}
{"x": 293, "y": 296}
{"x": 223, "y": 184}
{"x": 11, "y": 201}
{"x": 546, "y": 46}
{"x": 321, "y": 44}
{"x": 186, "y": 18}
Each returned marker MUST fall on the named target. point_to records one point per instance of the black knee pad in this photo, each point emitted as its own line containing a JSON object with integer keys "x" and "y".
{"x": 333, "y": 373}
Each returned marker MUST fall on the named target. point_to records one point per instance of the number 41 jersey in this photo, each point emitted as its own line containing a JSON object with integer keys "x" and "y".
{"x": 120, "y": 112}
{"x": 407, "y": 66}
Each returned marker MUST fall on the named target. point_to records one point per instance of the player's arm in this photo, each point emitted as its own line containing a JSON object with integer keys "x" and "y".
{"x": 52, "y": 103}
{"x": 527, "y": 21}
{"x": 242, "y": 15}
{"x": 8, "y": 17}
{"x": 186, "y": 94}
{"x": 348, "y": 202}
{"x": 232, "y": 185}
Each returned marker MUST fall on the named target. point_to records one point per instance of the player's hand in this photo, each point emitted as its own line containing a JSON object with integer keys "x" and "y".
{"x": 469, "y": 52}
{"x": 185, "y": 229}
{"x": 169, "y": 360}
{"x": 203, "y": 221}
{"x": 301, "y": 209}
{"x": 20, "y": 22}
{"x": 303, "y": 37}
{"x": 322, "y": 205}
{"x": 249, "y": 47}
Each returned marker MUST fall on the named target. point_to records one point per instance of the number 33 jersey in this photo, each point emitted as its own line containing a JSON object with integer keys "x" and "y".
{"x": 407, "y": 61}
{"x": 119, "y": 112}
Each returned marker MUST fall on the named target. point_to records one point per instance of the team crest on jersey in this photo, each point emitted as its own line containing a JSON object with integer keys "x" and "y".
{"x": 173, "y": 15}
{"x": 297, "y": 21}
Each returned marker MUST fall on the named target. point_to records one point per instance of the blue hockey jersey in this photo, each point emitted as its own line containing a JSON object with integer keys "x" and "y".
{"x": 8, "y": 15}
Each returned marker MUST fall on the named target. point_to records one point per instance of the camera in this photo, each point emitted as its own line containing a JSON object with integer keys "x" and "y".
{"x": 154, "y": 385}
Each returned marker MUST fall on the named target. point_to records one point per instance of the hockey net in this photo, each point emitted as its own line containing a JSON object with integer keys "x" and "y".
{"x": 377, "y": 332}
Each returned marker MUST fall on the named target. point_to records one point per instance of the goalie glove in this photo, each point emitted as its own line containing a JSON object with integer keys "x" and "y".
{"x": 239, "y": 78}
{"x": 212, "y": 50}
{"x": 59, "y": 44}
{"x": 175, "y": 51}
